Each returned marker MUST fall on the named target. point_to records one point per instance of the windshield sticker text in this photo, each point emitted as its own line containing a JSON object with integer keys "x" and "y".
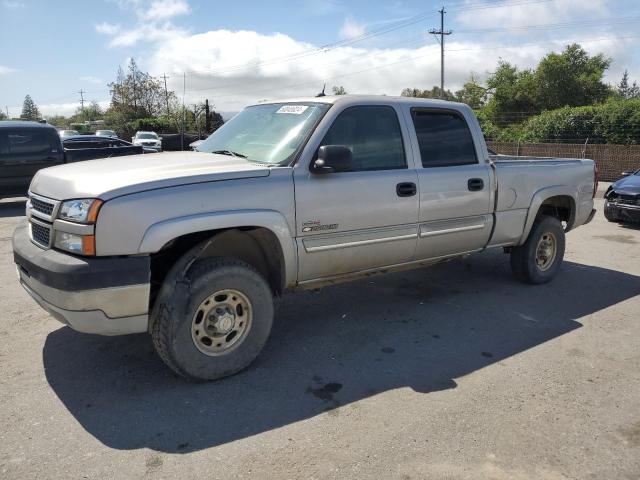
{"x": 295, "y": 109}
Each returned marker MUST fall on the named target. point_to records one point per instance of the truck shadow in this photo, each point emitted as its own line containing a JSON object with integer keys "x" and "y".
{"x": 422, "y": 329}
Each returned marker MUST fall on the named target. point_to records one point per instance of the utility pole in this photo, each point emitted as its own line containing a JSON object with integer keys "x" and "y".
{"x": 207, "y": 117}
{"x": 82, "y": 102}
{"x": 184, "y": 112}
{"x": 166, "y": 94}
{"x": 442, "y": 33}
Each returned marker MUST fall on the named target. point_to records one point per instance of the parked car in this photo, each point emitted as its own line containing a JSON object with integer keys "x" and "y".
{"x": 89, "y": 147}
{"x": 106, "y": 133}
{"x": 192, "y": 246}
{"x": 68, "y": 133}
{"x": 622, "y": 199}
{"x": 26, "y": 147}
{"x": 149, "y": 140}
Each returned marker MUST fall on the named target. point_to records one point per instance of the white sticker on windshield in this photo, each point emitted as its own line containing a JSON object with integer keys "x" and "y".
{"x": 295, "y": 109}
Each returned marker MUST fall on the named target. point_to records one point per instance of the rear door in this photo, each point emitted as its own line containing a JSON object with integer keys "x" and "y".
{"x": 363, "y": 218}
{"x": 24, "y": 151}
{"x": 454, "y": 183}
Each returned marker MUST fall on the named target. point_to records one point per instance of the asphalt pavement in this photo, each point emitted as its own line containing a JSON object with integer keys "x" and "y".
{"x": 451, "y": 372}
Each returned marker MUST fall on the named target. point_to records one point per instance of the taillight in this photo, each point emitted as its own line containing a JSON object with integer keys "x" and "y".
{"x": 595, "y": 179}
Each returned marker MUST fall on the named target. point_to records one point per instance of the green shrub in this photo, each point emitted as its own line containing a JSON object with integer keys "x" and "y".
{"x": 616, "y": 121}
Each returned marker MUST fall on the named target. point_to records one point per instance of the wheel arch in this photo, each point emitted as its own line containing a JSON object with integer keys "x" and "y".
{"x": 260, "y": 238}
{"x": 556, "y": 201}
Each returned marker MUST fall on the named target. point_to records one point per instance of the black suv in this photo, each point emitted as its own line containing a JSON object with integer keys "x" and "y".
{"x": 25, "y": 148}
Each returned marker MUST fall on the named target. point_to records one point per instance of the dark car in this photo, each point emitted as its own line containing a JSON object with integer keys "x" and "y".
{"x": 622, "y": 199}
{"x": 26, "y": 147}
{"x": 90, "y": 147}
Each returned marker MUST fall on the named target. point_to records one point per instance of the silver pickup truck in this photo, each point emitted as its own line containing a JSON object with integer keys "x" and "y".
{"x": 192, "y": 246}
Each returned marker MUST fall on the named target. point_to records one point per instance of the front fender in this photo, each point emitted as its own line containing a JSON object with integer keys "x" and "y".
{"x": 161, "y": 233}
{"x": 539, "y": 197}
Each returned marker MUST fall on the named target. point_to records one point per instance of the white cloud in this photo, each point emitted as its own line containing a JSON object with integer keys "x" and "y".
{"x": 351, "y": 29}
{"x": 105, "y": 28}
{"x": 92, "y": 79}
{"x": 234, "y": 69}
{"x": 164, "y": 9}
{"x": 152, "y": 22}
{"x": 6, "y": 70}
{"x": 13, "y": 4}
{"x": 523, "y": 14}
{"x": 51, "y": 109}
{"x": 322, "y": 7}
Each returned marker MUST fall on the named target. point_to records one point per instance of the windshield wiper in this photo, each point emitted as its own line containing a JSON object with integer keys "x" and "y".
{"x": 230, "y": 153}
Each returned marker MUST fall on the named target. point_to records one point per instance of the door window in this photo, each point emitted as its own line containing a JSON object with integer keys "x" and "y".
{"x": 373, "y": 135}
{"x": 28, "y": 145}
{"x": 444, "y": 138}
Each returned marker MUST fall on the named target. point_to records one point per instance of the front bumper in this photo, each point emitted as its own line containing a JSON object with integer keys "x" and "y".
{"x": 622, "y": 212}
{"x": 106, "y": 296}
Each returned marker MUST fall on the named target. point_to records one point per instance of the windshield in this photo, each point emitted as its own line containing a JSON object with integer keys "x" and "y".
{"x": 147, "y": 135}
{"x": 105, "y": 132}
{"x": 266, "y": 133}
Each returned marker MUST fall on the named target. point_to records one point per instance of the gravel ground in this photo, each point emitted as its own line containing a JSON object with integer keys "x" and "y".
{"x": 452, "y": 372}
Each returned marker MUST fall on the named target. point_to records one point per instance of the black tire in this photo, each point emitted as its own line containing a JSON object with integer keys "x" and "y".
{"x": 523, "y": 258}
{"x": 178, "y": 301}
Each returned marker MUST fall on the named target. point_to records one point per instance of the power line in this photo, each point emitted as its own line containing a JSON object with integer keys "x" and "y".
{"x": 442, "y": 34}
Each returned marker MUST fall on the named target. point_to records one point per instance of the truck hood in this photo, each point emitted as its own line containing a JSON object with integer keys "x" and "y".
{"x": 112, "y": 177}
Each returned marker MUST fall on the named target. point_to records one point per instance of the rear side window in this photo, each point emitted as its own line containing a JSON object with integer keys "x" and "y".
{"x": 373, "y": 134}
{"x": 31, "y": 141}
{"x": 444, "y": 138}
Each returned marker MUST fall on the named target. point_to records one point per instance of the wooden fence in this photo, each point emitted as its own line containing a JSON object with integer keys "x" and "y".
{"x": 612, "y": 160}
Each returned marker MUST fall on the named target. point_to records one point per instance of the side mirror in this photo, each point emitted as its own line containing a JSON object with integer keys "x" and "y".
{"x": 160, "y": 138}
{"x": 332, "y": 158}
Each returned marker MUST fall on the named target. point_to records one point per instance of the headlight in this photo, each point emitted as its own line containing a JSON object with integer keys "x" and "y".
{"x": 80, "y": 211}
{"x": 80, "y": 244}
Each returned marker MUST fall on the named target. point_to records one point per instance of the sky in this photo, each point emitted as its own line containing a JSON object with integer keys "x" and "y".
{"x": 239, "y": 52}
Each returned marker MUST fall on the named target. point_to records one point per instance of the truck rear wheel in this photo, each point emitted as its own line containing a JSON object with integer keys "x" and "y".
{"x": 216, "y": 323}
{"x": 539, "y": 258}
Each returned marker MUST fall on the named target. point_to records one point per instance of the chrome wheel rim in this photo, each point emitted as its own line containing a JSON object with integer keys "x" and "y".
{"x": 546, "y": 251}
{"x": 221, "y": 322}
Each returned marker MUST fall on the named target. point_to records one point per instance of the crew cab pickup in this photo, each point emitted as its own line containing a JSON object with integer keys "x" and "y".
{"x": 193, "y": 246}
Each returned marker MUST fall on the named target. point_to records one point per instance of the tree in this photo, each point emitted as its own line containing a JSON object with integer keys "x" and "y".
{"x": 92, "y": 111}
{"x": 472, "y": 93}
{"x": 433, "y": 93}
{"x": 137, "y": 95}
{"x": 625, "y": 91}
{"x": 29, "y": 109}
{"x": 571, "y": 78}
{"x": 3, "y": 116}
{"x": 58, "y": 121}
{"x": 512, "y": 95}
{"x": 339, "y": 90}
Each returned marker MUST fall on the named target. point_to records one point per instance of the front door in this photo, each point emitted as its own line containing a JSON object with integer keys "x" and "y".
{"x": 365, "y": 217}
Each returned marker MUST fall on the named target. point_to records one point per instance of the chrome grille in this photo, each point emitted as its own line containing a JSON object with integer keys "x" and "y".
{"x": 41, "y": 234}
{"x": 42, "y": 206}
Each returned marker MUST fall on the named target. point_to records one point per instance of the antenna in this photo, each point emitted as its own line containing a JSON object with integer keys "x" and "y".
{"x": 322, "y": 94}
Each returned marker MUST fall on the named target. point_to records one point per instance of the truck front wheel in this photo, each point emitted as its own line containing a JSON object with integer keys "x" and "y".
{"x": 216, "y": 322}
{"x": 539, "y": 258}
